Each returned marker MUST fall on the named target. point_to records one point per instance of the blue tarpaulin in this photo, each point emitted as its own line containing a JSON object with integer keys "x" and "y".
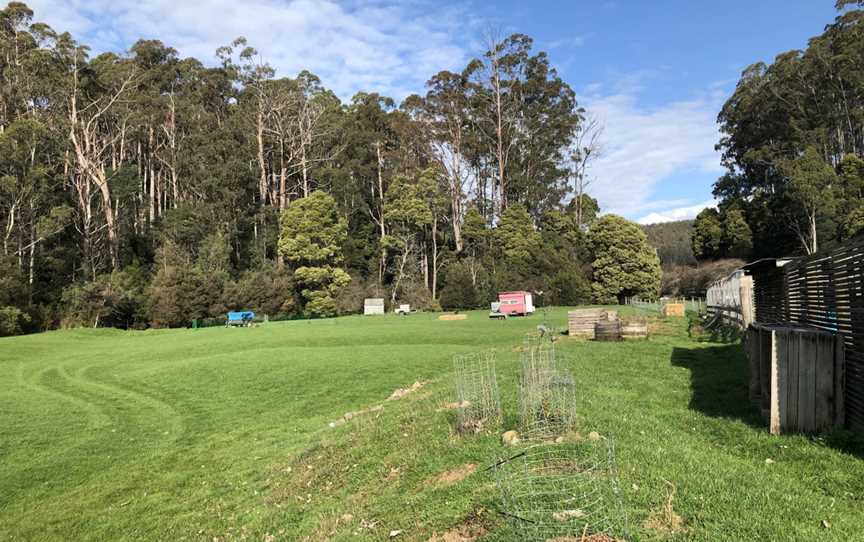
{"x": 240, "y": 316}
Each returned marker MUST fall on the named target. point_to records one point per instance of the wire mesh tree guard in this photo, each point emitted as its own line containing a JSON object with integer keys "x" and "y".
{"x": 476, "y": 392}
{"x": 547, "y": 394}
{"x": 563, "y": 490}
{"x": 544, "y": 335}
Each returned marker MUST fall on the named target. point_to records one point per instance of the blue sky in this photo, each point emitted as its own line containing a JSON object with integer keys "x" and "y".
{"x": 655, "y": 73}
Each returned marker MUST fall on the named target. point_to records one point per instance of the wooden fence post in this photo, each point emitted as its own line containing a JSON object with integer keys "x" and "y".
{"x": 840, "y": 383}
{"x": 774, "y": 415}
{"x": 746, "y": 297}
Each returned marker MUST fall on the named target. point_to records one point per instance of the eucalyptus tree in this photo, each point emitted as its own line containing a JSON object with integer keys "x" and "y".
{"x": 445, "y": 114}
{"x": 784, "y": 127}
{"x": 415, "y": 207}
{"x": 369, "y": 160}
{"x": 496, "y": 95}
{"x": 528, "y": 117}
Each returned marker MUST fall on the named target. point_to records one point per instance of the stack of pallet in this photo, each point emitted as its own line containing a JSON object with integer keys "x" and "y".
{"x": 581, "y": 322}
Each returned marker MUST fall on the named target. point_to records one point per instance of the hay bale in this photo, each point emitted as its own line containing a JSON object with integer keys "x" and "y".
{"x": 580, "y": 322}
{"x": 634, "y": 330}
{"x": 607, "y": 330}
{"x": 453, "y": 317}
{"x": 673, "y": 309}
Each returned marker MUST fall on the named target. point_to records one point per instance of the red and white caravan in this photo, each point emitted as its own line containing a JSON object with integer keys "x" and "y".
{"x": 512, "y": 304}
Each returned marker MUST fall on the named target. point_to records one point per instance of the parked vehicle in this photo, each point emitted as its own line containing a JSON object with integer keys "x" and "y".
{"x": 519, "y": 303}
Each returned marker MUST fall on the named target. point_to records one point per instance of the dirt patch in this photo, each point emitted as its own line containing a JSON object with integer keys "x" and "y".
{"x": 451, "y": 317}
{"x": 666, "y": 520}
{"x": 464, "y": 533}
{"x": 393, "y": 474}
{"x": 402, "y": 392}
{"x": 471, "y": 529}
{"x": 452, "y": 476}
{"x": 454, "y": 406}
{"x": 348, "y": 416}
{"x": 399, "y": 393}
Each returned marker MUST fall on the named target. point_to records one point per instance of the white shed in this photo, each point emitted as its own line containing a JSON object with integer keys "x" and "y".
{"x": 373, "y": 305}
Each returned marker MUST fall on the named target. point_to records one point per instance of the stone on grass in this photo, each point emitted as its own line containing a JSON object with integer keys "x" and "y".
{"x": 510, "y": 438}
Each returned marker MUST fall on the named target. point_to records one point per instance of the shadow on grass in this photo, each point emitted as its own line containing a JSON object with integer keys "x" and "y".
{"x": 719, "y": 381}
{"x": 719, "y": 377}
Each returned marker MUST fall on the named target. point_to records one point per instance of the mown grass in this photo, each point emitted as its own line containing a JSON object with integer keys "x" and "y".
{"x": 223, "y": 434}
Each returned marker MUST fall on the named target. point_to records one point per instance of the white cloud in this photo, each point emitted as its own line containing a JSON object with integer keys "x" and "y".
{"x": 643, "y": 146}
{"x": 387, "y": 46}
{"x": 677, "y": 213}
{"x": 570, "y": 41}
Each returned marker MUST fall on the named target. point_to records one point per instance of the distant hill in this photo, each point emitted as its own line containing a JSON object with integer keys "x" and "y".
{"x": 672, "y": 240}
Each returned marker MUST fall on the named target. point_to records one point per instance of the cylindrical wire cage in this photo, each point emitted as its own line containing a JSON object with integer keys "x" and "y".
{"x": 476, "y": 392}
{"x": 560, "y": 490}
{"x": 547, "y": 394}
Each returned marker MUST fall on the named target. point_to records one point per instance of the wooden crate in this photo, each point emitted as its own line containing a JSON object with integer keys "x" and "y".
{"x": 797, "y": 377}
{"x": 634, "y": 330}
{"x": 580, "y": 322}
{"x": 607, "y": 330}
{"x": 673, "y": 309}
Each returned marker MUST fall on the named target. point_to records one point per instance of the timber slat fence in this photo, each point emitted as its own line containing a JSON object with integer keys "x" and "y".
{"x": 824, "y": 291}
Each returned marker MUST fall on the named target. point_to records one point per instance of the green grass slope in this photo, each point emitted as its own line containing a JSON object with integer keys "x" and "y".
{"x": 223, "y": 434}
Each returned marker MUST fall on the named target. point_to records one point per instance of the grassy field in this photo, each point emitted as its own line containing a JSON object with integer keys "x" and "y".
{"x": 223, "y": 434}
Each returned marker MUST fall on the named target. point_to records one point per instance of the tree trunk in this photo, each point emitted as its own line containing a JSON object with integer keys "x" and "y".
{"x": 304, "y": 168}
{"x": 108, "y": 210}
{"x": 151, "y": 176}
{"x": 814, "y": 245}
{"x": 262, "y": 167}
{"x": 282, "y": 176}
{"x": 434, "y": 259}
{"x": 499, "y": 133}
{"x": 383, "y": 263}
{"x": 406, "y": 251}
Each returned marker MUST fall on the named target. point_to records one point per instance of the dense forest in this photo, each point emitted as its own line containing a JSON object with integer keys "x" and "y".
{"x": 792, "y": 143}
{"x": 672, "y": 241}
{"x": 144, "y": 189}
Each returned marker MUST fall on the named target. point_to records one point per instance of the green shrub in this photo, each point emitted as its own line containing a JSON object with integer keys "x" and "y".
{"x": 460, "y": 290}
{"x": 12, "y": 321}
{"x": 568, "y": 287}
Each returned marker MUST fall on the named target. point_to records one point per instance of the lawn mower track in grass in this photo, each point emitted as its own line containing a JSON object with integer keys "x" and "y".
{"x": 225, "y": 434}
